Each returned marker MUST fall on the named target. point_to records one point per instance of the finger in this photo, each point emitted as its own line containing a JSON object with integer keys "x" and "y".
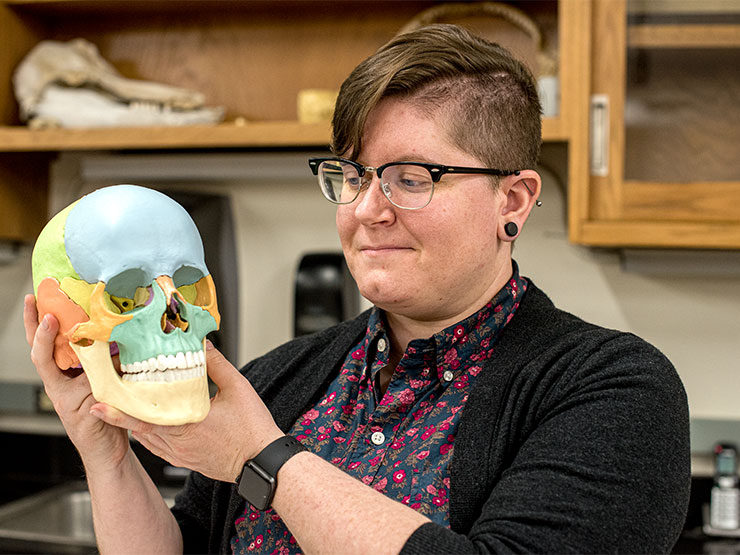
{"x": 114, "y": 417}
{"x": 220, "y": 370}
{"x": 30, "y": 317}
{"x": 42, "y": 351}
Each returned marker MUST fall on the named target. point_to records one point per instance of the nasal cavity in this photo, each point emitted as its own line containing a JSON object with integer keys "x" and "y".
{"x": 171, "y": 319}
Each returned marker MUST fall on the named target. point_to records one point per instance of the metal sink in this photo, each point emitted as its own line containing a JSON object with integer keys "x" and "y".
{"x": 55, "y": 520}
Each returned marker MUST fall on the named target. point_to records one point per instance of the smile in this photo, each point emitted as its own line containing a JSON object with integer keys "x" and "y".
{"x": 383, "y": 249}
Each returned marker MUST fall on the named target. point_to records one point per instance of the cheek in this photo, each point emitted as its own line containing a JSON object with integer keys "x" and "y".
{"x": 345, "y": 224}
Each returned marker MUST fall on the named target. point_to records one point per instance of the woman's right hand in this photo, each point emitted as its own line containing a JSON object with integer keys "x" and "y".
{"x": 99, "y": 444}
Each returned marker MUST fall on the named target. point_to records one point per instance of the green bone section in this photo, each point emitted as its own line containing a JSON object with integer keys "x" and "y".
{"x": 142, "y": 338}
{"x": 49, "y": 257}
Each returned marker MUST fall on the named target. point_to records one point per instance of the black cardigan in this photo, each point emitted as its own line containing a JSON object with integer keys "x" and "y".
{"x": 574, "y": 439}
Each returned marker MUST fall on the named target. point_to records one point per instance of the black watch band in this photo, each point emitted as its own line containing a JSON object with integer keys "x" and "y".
{"x": 258, "y": 479}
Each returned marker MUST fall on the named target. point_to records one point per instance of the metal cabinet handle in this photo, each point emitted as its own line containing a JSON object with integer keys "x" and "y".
{"x": 599, "y": 134}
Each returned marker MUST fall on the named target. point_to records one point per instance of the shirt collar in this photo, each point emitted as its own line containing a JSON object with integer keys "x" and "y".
{"x": 477, "y": 331}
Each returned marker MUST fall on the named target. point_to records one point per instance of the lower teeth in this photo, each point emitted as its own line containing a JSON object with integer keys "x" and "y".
{"x": 166, "y": 375}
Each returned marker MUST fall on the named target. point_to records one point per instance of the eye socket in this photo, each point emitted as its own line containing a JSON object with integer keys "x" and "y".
{"x": 124, "y": 285}
{"x": 186, "y": 275}
{"x": 122, "y": 303}
{"x": 142, "y": 297}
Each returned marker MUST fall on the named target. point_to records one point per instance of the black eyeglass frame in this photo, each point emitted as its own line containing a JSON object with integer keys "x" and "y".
{"x": 435, "y": 170}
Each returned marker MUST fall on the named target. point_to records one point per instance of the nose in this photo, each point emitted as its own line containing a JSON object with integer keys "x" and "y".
{"x": 171, "y": 319}
{"x": 168, "y": 286}
{"x": 373, "y": 206}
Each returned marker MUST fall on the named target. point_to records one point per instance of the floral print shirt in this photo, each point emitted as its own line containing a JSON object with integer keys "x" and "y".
{"x": 400, "y": 442}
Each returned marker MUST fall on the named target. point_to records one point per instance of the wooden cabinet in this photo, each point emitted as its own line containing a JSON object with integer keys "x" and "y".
{"x": 665, "y": 127}
{"x": 250, "y": 56}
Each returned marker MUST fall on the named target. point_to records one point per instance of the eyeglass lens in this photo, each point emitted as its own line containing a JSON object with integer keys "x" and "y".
{"x": 405, "y": 185}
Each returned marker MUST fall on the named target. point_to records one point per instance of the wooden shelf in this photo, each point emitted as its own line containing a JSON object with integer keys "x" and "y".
{"x": 262, "y": 134}
{"x": 699, "y": 202}
{"x": 226, "y": 135}
{"x": 683, "y": 36}
{"x": 652, "y": 234}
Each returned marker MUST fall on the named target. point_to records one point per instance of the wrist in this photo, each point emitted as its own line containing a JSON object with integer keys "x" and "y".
{"x": 251, "y": 451}
{"x": 257, "y": 481}
{"x": 108, "y": 471}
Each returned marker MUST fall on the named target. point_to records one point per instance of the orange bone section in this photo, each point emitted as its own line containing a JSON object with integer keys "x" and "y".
{"x": 168, "y": 286}
{"x": 50, "y": 299}
{"x": 206, "y": 297}
{"x": 102, "y": 320}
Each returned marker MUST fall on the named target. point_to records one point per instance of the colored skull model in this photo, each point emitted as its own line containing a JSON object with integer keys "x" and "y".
{"x": 123, "y": 269}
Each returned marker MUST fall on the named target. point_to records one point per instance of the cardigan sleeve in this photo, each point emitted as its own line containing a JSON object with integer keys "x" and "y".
{"x": 192, "y": 511}
{"x": 595, "y": 458}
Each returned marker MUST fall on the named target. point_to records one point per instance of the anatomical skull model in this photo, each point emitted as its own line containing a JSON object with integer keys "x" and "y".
{"x": 123, "y": 271}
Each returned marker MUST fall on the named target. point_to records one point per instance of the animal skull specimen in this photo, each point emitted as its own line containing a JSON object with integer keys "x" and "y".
{"x": 69, "y": 84}
{"x": 123, "y": 269}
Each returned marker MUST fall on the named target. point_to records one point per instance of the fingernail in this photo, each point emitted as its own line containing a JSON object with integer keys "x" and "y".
{"x": 209, "y": 345}
{"x": 97, "y": 413}
{"x": 45, "y": 323}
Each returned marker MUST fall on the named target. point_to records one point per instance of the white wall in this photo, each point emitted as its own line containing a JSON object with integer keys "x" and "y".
{"x": 692, "y": 316}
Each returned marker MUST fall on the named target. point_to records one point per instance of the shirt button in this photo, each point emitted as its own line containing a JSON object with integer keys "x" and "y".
{"x": 447, "y": 376}
{"x": 378, "y": 438}
{"x": 381, "y": 344}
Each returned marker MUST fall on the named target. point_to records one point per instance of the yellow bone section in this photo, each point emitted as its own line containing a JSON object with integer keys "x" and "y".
{"x": 188, "y": 292}
{"x": 102, "y": 319}
{"x": 81, "y": 291}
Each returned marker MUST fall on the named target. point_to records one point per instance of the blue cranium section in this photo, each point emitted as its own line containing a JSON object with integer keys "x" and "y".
{"x": 126, "y": 236}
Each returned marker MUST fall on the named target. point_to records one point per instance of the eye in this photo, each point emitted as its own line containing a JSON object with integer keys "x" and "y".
{"x": 413, "y": 179}
{"x": 352, "y": 182}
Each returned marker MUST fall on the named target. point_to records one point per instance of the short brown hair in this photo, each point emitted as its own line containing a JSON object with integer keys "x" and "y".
{"x": 489, "y": 97}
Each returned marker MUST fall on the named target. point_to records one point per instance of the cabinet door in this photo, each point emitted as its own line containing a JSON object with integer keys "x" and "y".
{"x": 665, "y": 126}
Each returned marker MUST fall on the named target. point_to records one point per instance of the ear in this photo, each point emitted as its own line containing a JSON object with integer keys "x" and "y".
{"x": 521, "y": 191}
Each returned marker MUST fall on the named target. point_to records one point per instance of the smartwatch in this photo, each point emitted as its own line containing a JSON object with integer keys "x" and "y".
{"x": 258, "y": 479}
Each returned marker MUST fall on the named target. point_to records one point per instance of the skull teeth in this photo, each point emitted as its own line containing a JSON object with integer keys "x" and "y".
{"x": 182, "y": 366}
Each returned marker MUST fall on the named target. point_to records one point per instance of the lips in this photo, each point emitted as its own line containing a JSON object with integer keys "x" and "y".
{"x": 380, "y": 248}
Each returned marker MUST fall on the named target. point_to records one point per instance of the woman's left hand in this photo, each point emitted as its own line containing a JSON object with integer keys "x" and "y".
{"x": 237, "y": 428}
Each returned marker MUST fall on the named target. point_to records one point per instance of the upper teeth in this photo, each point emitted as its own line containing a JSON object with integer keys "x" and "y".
{"x": 181, "y": 366}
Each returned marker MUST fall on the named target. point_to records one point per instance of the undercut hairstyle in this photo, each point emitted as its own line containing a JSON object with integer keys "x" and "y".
{"x": 485, "y": 98}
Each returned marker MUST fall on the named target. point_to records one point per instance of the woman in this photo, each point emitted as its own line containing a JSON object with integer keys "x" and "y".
{"x": 463, "y": 413}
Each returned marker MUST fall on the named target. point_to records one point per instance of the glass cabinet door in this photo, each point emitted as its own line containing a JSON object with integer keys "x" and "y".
{"x": 665, "y": 123}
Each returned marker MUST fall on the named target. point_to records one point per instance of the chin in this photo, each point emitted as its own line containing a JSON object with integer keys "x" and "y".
{"x": 387, "y": 298}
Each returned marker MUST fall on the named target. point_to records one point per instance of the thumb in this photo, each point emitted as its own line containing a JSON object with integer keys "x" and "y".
{"x": 220, "y": 370}
{"x": 42, "y": 350}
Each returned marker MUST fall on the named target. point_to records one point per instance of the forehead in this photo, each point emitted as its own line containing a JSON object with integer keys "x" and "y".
{"x": 397, "y": 129}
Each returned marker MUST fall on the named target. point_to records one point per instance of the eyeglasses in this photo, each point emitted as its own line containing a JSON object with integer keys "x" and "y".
{"x": 407, "y": 185}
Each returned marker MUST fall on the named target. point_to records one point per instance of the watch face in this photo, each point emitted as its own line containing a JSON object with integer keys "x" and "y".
{"x": 256, "y": 486}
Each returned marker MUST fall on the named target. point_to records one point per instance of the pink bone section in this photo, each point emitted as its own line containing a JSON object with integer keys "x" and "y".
{"x": 50, "y": 299}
